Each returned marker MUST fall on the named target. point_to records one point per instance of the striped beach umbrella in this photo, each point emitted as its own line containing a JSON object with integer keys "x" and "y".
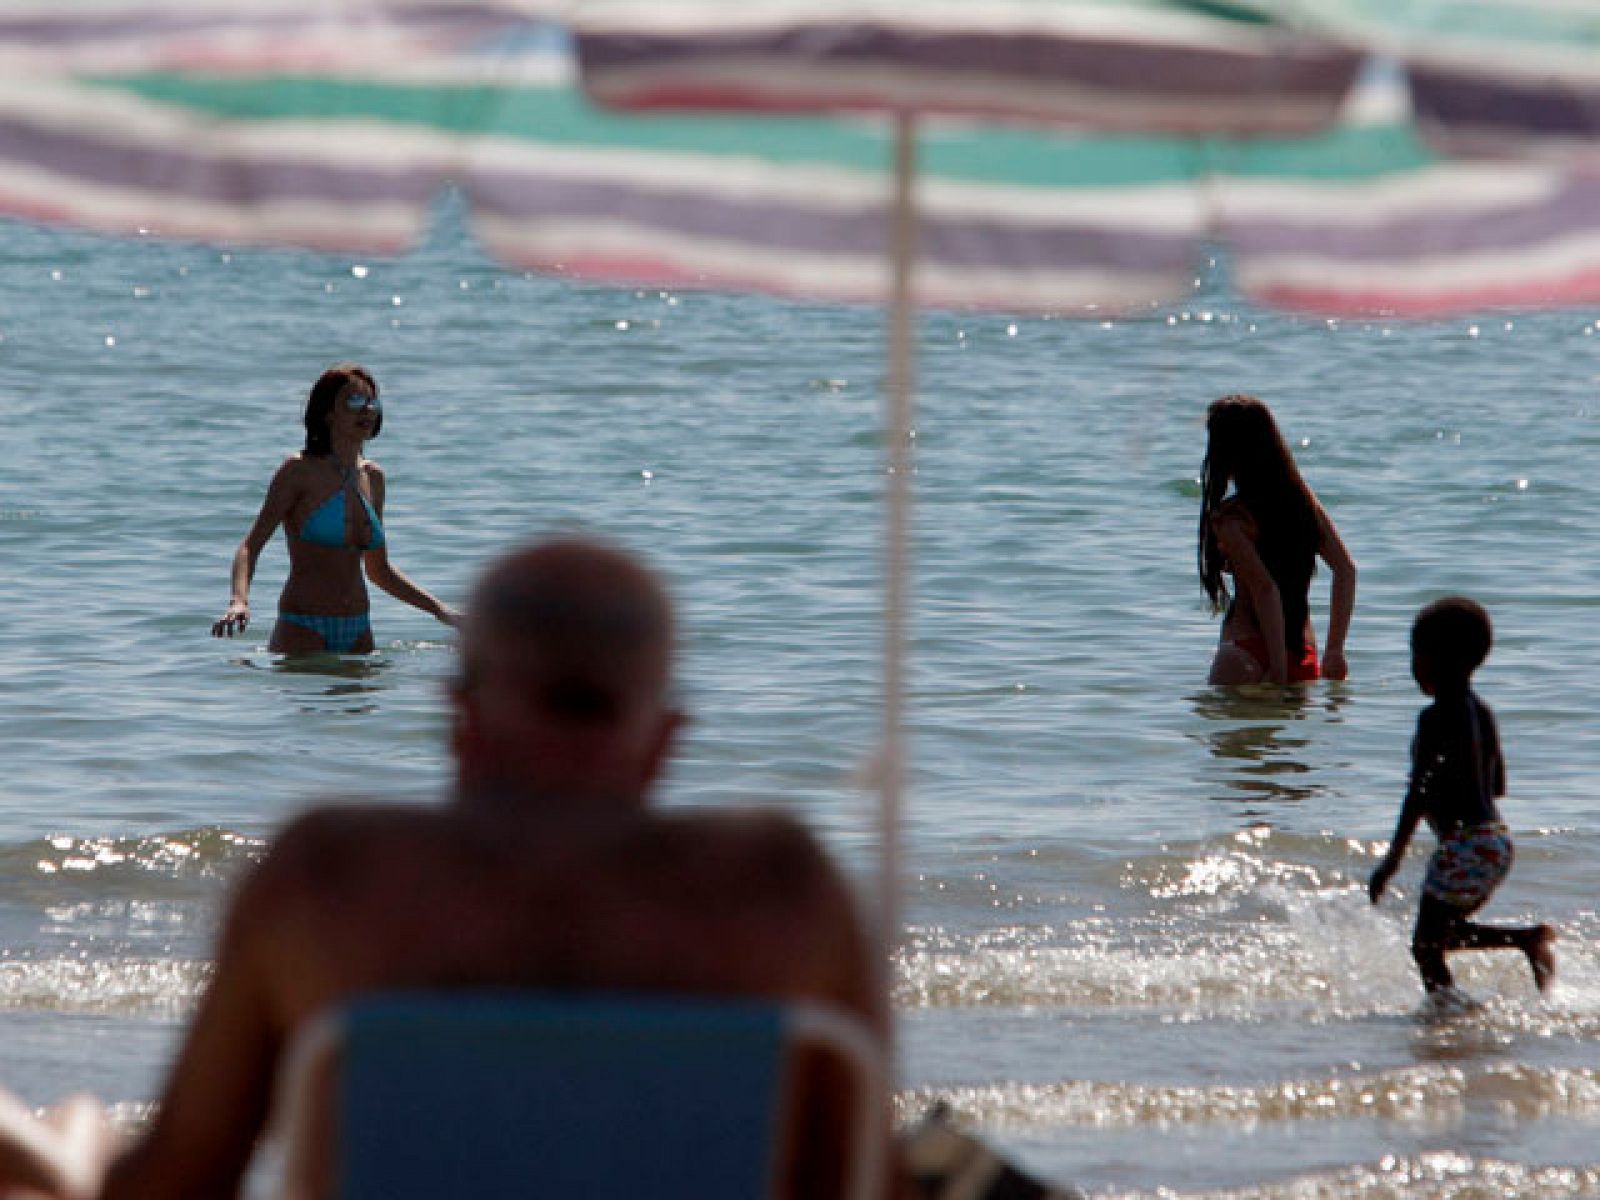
{"x": 1138, "y": 132}
{"x": 38, "y": 37}
{"x": 329, "y": 125}
{"x": 1134, "y": 65}
{"x": 335, "y": 126}
{"x": 1371, "y": 219}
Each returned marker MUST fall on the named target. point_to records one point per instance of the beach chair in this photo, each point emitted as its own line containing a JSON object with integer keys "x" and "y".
{"x": 438, "y": 1095}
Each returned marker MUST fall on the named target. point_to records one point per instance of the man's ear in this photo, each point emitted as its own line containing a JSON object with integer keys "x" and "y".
{"x": 663, "y": 739}
{"x": 463, "y": 722}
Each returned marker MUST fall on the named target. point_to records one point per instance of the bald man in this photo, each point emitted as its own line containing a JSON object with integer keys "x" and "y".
{"x": 545, "y": 869}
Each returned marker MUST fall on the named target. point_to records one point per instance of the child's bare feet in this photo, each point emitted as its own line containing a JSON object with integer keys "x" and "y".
{"x": 1541, "y": 958}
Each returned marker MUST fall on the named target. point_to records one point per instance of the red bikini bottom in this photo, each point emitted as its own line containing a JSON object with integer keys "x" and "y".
{"x": 1304, "y": 671}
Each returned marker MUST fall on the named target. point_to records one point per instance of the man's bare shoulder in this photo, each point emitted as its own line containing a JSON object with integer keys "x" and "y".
{"x": 342, "y": 844}
{"x": 714, "y": 901}
{"x": 768, "y": 849}
{"x": 325, "y": 861}
{"x": 332, "y": 840}
{"x": 736, "y": 826}
{"x": 353, "y": 848}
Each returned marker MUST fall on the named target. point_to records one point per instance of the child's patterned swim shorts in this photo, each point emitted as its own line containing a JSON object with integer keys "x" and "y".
{"x": 1468, "y": 865}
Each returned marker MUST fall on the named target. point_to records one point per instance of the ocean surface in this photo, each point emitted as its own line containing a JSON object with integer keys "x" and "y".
{"x": 1139, "y": 953}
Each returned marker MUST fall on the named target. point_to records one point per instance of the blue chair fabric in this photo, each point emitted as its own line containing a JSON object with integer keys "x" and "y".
{"x": 495, "y": 1097}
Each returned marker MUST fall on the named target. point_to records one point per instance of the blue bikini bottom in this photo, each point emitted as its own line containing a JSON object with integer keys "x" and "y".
{"x": 338, "y": 634}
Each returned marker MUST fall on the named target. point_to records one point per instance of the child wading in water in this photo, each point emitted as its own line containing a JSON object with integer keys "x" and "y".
{"x": 1456, "y": 775}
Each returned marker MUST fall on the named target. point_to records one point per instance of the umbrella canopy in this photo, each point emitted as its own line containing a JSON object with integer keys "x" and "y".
{"x": 274, "y": 121}
{"x": 42, "y": 38}
{"x": 1133, "y": 65}
{"x": 220, "y": 127}
{"x": 1497, "y": 77}
{"x": 1506, "y": 77}
{"x": 335, "y": 127}
{"x": 1369, "y": 219}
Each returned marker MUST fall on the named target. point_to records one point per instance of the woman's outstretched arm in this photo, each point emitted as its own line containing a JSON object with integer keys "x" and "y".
{"x": 280, "y": 493}
{"x": 389, "y": 577}
{"x": 1342, "y": 597}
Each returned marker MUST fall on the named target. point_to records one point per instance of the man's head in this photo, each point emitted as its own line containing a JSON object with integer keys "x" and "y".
{"x": 1449, "y": 641}
{"x": 566, "y": 669}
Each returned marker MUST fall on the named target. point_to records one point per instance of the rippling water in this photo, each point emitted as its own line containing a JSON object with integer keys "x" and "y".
{"x": 1140, "y": 954}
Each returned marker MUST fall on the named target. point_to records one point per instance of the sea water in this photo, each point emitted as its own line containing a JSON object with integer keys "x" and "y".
{"x": 1139, "y": 955}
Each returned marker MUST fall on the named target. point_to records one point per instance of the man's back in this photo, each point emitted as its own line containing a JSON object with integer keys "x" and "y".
{"x": 714, "y": 903}
{"x": 352, "y": 900}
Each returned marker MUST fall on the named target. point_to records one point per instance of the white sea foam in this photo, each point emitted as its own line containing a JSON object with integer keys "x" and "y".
{"x": 155, "y": 987}
{"x": 1431, "y": 1096}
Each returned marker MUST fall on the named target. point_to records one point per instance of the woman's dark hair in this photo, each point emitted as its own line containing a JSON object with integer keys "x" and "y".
{"x": 1452, "y": 636}
{"x": 1244, "y": 448}
{"x": 319, "y": 438}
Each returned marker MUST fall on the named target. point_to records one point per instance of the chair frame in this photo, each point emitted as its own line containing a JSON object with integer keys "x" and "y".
{"x": 315, "y": 1047}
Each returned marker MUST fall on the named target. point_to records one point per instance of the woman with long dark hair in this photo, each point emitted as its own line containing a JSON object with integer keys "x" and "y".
{"x": 329, "y": 498}
{"x": 1267, "y": 533}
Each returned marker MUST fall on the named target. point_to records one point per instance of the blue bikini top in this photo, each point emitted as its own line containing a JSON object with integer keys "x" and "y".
{"x": 326, "y": 524}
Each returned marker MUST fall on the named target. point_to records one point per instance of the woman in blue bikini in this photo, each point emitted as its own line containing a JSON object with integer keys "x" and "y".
{"x": 330, "y": 501}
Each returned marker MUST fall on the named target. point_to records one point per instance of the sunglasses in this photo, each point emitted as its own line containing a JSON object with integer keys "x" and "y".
{"x": 356, "y": 401}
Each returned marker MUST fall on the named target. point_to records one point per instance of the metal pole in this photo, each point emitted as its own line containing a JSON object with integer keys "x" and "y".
{"x": 902, "y": 253}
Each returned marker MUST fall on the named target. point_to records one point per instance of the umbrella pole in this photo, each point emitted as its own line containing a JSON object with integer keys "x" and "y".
{"x": 902, "y": 253}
